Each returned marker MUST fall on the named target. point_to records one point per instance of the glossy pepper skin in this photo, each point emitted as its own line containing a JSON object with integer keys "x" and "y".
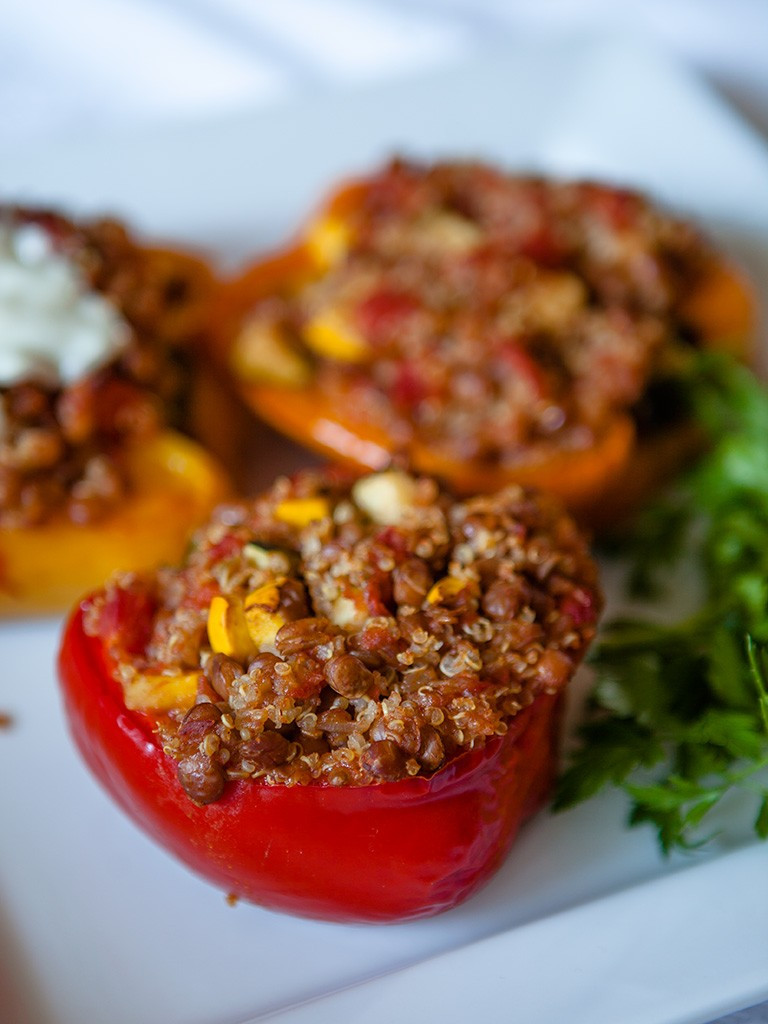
{"x": 389, "y": 852}
{"x": 600, "y": 484}
{"x": 175, "y": 485}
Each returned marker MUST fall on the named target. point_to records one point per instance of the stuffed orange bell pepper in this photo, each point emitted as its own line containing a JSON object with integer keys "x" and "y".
{"x": 345, "y": 702}
{"x": 486, "y": 328}
{"x": 94, "y": 330}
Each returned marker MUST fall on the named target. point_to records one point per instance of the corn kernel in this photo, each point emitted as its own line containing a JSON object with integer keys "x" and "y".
{"x": 448, "y": 586}
{"x": 331, "y": 334}
{"x": 302, "y": 511}
{"x": 262, "y": 618}
{"x": 262, "y": 353}
{"x": 153, "y": 691}
{"x": 267, "y": 596}
{"x": 328, "y": 240}
{"x": 227, "y": 629}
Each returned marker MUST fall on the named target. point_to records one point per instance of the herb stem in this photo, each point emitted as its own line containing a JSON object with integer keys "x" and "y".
{"x": 688, "y": 700}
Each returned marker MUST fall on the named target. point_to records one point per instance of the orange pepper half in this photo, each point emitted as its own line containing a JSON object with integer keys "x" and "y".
{"x": 175, "y": 484}
{"x": 600, "y": 483}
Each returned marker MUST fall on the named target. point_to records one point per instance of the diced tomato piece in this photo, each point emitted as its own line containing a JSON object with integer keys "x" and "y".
{"x": 392, "y": 538}
{"x": 375, "y": 637}
{"x": 383, "y": 313}
{"x": 616, "y": 206}
{"x": 377, "y": 593}
{"x": 203, "y": 595}
{"x": 543, "y": 247}
{"x": 228, "y": 546}
{"x": 125, "y": 618}
{"x": 409, "y": 388}
{"x": 580, "y": 606}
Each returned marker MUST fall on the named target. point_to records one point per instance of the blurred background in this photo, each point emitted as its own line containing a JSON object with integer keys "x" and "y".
{"x": 95, "y": 67}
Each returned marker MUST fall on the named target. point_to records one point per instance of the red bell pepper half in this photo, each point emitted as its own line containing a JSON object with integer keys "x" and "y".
{"x": 387, "y": 852}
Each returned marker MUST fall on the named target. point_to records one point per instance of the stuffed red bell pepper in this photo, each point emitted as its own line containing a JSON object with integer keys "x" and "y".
{"x": 345, "y": 702}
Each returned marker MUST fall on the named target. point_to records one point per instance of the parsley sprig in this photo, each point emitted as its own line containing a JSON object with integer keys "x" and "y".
{"x": 678, "y": 717}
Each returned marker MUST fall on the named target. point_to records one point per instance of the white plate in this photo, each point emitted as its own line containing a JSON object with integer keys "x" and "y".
{"x": 585, "y": 922}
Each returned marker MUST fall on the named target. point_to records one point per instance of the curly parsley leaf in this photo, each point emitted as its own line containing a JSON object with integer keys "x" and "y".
{"x": 678, "y": 717}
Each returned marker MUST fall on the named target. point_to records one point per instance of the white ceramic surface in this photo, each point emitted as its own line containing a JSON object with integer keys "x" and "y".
{"x": 584, "y": 920}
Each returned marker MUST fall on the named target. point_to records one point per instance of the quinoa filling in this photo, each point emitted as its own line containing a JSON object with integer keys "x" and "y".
{"x": 484, "y": 314}
{"x": 346, "y": 633}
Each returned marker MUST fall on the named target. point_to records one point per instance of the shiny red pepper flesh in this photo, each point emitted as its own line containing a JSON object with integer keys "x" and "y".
{"x": 389, "y": 852}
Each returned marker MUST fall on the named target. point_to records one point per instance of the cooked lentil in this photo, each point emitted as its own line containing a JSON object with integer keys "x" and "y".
{"x": 330, "y": 653}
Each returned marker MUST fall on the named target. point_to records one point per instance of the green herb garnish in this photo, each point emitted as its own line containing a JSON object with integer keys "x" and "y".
{"x": 679, "y": 714}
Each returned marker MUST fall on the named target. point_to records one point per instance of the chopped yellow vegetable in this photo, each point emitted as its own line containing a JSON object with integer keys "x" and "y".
{"x": 262, "y": 618}
{"x": 228, "y": 630}
{"x": 267, "y": 596}
{"x": 262, "y": 353}
{"x": 328, "y": 241}
{"x": 445, "y": 588}
{"x": 153, "y": 691}
{"x": 302, "y": 511}
{"x": 330, "y": 334}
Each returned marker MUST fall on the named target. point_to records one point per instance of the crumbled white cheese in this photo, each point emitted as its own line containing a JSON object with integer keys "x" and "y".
{"x": 53, "y": 329}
